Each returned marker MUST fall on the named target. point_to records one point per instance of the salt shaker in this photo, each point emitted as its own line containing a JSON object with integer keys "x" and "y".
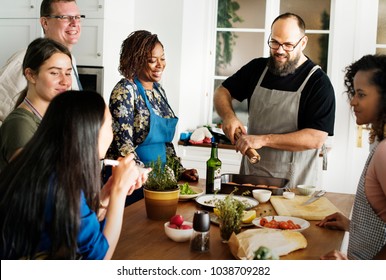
{"x": 200, "y": 237}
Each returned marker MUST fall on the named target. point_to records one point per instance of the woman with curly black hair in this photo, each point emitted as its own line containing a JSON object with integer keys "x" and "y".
{"x": 365, "y": 81}
{"x": 142, "y": 117}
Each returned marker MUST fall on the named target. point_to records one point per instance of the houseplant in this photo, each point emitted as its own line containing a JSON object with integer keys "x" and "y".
{"x": 161, "y": 191}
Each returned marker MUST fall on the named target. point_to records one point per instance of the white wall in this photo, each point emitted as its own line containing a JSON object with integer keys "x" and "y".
{"x": 118, "y": 24}
{"x": 354, "y": 35}
{"x": 184, "y": 29}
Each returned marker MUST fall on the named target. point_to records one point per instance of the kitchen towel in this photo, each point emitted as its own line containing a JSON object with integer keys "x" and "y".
{"x": 292, "y": 207}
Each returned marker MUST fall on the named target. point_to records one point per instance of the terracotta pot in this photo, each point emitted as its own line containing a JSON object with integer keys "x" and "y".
{"x": 161, "y": 205}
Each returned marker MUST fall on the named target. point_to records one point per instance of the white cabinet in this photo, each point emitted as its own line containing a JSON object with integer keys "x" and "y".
{"x": 89, "y": 49}
{"x": 92, "y": 8}
{"x": 196, "y": 157}
{"x": 19, "y": 25}
{"x": 17, "y": 34}
{"x": 20, "y": 9}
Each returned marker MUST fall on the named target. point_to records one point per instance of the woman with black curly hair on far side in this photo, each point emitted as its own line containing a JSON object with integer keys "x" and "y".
{"x": 365, "y": 81}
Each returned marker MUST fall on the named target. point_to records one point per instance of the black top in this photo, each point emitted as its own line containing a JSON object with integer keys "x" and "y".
{"x": 317, "y": 101}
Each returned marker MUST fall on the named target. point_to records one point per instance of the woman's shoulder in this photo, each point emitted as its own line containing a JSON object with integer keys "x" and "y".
{"x": 123, "y": 90}
{"x": 381, "y": 147}
{"x": 124, "y": 83}
{"x": 20, "y": 117}
{"x": 379, "y": 150}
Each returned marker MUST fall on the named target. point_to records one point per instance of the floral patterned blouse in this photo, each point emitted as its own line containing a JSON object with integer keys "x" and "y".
{"x": 131, "y": 118}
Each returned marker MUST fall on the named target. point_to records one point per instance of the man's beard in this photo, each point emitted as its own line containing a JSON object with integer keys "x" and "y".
{"x": 282, "y": 70}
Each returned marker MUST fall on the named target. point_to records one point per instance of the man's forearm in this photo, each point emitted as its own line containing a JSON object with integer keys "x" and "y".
{"x": 297, "y": 141}
{"x": 223, "y": 103}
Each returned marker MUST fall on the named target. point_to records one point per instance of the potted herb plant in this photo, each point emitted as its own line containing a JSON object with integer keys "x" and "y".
{"x": 161, "y": 190}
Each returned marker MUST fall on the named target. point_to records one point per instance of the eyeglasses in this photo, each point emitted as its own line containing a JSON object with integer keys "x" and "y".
{"x": 286, "y": 46}
{"x": 67, "y": 18}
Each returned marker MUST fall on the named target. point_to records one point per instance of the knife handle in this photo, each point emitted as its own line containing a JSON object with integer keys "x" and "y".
{"x": 252, "y": 154}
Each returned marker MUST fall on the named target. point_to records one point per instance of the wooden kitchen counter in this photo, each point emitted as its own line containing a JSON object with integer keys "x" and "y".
{"x": 145, "y": 239}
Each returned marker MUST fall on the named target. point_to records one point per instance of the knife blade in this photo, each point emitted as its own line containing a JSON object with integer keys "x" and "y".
{"x": 315, "y": 197}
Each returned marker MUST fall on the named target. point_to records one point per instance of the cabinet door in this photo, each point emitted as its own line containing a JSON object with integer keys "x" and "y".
{"x": 89, "y": 49}
{"x": 20, "y": 9}
{"x": 17, "y": 34}
{"x": 91, "y": 8}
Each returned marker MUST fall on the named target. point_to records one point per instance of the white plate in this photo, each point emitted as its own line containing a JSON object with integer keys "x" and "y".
{"x": 199, "y": 191}
{"x": 209, "y": 200}
{"x": 303, "y": 223}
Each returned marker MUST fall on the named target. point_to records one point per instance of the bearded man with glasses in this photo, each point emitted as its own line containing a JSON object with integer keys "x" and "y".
{"x": 291, "y": 105}
{"x": 61, "y": 22}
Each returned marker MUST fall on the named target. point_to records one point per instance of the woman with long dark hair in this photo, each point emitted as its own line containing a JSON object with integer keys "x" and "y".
{"x": 51, "y": 190}
{"x": 47, "y": 68}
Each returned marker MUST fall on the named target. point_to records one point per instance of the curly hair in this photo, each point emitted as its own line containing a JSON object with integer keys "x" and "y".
{"x": 377, "y": 65}
{"x": 135, "y": 51}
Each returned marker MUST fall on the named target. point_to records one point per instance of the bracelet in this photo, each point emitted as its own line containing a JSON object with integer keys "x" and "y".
{"x": 101, "y": 205}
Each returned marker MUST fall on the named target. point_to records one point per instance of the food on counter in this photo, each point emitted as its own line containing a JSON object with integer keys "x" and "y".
{"x": 186, "y": 189}
{"x": 273, "y": 187}
{"x": 264, "y": 253}
{"x": 248, "y": 185}
{"x": 248, "y": 216}
{"x": 281, "y": 242}
{"x": 289, "y": 224}
{"x": 176, "y": 220}
{"x": 185, "y": 227}
{"x": 232, "y": 183}
{"x": 262, "y": 186}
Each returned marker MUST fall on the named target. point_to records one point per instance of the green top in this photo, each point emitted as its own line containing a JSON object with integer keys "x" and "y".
{"x": 16, "y": 130}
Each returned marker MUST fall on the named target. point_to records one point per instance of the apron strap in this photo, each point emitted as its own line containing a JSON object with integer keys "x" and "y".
{"x": 316, "y": 67}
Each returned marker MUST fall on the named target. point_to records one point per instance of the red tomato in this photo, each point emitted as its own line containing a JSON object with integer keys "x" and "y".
{"x": 263, "y": 221}
{"x": 283, "y": 225}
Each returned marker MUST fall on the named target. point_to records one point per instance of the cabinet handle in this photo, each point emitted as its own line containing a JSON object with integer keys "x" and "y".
{"x": 99, "y": 54}
{"x": 32, "y": 7}
{"x": 100, "y": 6}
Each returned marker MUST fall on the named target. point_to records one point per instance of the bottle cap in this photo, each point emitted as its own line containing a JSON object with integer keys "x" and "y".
{"x": 201, "y": 221}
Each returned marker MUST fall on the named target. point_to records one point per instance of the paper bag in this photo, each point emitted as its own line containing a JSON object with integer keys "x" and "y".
{"x": 281, "y": 242}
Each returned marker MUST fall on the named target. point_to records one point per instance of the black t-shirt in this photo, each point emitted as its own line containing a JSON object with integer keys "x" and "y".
{"x": 317, "y": 101}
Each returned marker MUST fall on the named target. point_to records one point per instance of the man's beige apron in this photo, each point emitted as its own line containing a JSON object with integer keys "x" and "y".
{"x": 276, "y": 112}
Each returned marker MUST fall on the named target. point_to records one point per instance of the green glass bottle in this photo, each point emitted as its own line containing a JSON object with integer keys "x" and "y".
{"x": 213, "y": 171}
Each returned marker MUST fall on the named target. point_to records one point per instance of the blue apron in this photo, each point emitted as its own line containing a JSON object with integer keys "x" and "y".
{"x": 161, "y": 131}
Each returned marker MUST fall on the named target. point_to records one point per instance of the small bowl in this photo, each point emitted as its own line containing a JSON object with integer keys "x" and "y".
{"x": 288, "y": 195}
{"x": 261, "y": 196}
{"x": 179, "y": 235}
{"x": 306, "y": 189}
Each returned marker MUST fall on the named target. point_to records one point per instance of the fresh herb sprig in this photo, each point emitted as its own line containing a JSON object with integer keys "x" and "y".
{"x": 162, "y": 176}
{"x": 230, "y": 212}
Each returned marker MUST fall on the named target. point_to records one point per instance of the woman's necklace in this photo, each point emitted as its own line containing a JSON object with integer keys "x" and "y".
{"x": 32, "y": 108}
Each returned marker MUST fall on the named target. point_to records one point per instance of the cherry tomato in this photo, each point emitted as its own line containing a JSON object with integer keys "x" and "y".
{"x": 263, "y": 221}
{"x": 283, "y": 225}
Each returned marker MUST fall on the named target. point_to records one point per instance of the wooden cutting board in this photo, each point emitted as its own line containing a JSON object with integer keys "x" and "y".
{"x": 292, "y": 207}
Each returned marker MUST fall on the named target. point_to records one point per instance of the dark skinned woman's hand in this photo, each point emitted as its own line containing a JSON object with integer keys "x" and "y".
{"x": 190, "y": 175}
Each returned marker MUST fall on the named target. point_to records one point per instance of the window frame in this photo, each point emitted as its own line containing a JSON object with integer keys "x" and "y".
{"x": 272, "y": 10}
